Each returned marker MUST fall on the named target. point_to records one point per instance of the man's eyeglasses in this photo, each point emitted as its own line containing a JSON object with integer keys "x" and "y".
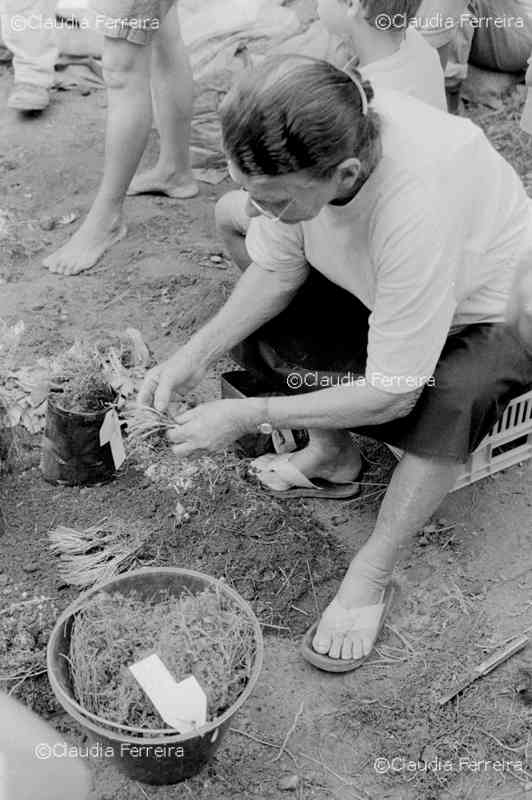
{"x": 268, "y": 213}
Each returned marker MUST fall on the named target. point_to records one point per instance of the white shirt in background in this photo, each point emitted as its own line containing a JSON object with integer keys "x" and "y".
{"x": 431, "y": 242}
{"x": 437, "y": 20}
{"x": 415, "y": 69}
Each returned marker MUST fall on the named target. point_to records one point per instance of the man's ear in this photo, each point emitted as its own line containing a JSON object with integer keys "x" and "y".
{"x": 353, "y": 7}
{"x": 347, "y": 172}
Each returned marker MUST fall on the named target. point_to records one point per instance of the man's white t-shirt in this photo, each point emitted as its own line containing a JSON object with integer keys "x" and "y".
{"x": 415, "y": 69}
{"x": 431, "y": 242}
{"x": 527, "y": 5}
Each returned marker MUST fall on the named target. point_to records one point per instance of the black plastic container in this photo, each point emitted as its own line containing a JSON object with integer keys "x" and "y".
{"x": 71, "y": 450}
{"x": 162, "y": 757}
{"x": 6, "y": 441}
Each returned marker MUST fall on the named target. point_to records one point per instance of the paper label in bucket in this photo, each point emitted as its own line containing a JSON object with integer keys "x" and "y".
{"x": 183, "y": 705}
{"x": 110, "y": 433}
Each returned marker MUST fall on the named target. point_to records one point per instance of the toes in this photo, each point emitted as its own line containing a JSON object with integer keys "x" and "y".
{"x": 321, "y": 643}
{"x": 347, "y": 649}
{"x": 335, "y": 650}
{"x": 185, "y": 192}
{"x": 357, "y": 647}
{"x": 367, "y": 642}
{"x": 54, "y": 263}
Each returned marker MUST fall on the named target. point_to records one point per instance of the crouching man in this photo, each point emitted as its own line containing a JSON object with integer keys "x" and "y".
{"x": 385, "y": 240}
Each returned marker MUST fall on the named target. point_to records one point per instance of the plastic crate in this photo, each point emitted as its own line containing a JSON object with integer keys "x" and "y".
{"x": 509, "y": 442}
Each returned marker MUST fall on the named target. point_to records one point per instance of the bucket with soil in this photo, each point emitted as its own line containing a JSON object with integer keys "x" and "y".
{"x": 196, "y": 625}
{"x": 72, "y": 453}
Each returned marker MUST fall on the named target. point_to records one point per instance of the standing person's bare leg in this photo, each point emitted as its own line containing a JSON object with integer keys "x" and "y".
{"x": 129, "y": 116}
{"x": 173, "y": 93}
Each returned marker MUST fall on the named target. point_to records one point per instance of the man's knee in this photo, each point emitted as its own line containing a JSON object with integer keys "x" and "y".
{"x": 222, "y": 215}
{"x": 230, "y": 214}
{"x": 124, "y": 63}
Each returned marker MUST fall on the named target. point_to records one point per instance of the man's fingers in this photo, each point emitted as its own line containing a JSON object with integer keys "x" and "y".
{"x": 176, "y": 435}
{"x": 184, "y": 450}
{"x": 147, "y": 390}
{"x": 162, "y": 394}
{"x": 186, "y": 416}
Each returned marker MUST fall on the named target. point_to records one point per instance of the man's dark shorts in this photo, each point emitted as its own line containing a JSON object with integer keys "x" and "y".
{"x": 324, "y": 334}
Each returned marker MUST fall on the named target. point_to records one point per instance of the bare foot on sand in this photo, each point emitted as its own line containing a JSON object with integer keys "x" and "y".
{"x": 85, "y": 248}
{"x": 157, "y": 181}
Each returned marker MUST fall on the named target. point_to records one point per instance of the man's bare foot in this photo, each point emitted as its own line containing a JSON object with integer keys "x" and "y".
{"x": 330, "y": 455}
{"x": 85, "y": 248}
{"x": 158, "y": 181}
{"x": 349, "y": 625}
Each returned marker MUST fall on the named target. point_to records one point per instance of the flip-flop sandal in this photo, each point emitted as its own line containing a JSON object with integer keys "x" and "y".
{"x": 328, "y": 664}
{"x": 263, "y": 463}
{"x": 281, "y": 471}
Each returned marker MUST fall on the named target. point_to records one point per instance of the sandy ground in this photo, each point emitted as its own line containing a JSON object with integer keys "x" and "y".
{"x": 465, "y": 585}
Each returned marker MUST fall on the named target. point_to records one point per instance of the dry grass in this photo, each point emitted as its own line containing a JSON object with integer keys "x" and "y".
{"x": 205, "y": 635}
{"x": 503, "y": 130}
{"x": 79, "y": 382}
{"x": 97, "y": 553}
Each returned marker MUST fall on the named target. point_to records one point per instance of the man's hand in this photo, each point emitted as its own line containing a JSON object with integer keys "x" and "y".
{"x": 211, "y": 426}
{"x": 180, "y": 373}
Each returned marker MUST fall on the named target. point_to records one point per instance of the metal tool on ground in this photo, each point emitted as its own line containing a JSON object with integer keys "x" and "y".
{"x": 499, "y": 657}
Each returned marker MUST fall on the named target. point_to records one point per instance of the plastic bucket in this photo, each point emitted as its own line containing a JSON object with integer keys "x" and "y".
{"x": 71, "y": 451}
{"x": 154, "y": 757}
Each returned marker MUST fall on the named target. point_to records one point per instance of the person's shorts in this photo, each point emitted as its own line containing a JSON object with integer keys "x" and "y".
{"x": 134, "y": 20}
{"x": 322, "y": 337}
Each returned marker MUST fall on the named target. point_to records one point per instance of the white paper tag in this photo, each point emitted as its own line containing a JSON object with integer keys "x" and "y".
{"x": 183, "y": 705}
{"x": 111, "y": 433}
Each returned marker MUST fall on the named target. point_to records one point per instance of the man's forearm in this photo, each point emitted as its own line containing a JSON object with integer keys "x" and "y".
{"x": 337, "y": 408}
{"x": 258, "y": 297}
